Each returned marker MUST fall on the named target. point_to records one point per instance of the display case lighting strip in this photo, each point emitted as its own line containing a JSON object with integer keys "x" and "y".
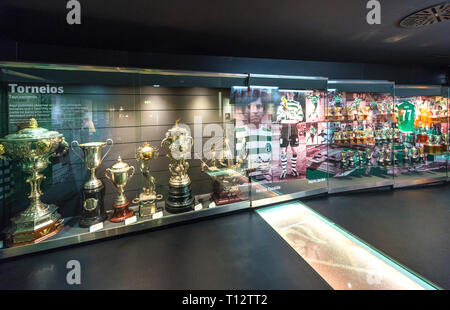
{"x": 293, "y": 77}
{"x": 359, "y": 82}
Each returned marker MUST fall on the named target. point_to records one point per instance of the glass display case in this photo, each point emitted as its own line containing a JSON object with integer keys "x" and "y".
{"x": 286, "y": 136}
{"x": 106, "y": 151}
{"x": 88, "y": 153}
{"x": 360, "y": 117}
{"x": 422, "y": 119}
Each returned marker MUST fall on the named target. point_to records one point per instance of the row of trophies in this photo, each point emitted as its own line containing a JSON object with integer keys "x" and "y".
{"x": 358, "y": 113}
{"x": 378, "y": 137}
{"x": 385, "y": 157}
{"x": 32, "y": 148}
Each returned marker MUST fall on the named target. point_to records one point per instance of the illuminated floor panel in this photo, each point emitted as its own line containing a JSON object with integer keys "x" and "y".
{"x": 339, "y": 258}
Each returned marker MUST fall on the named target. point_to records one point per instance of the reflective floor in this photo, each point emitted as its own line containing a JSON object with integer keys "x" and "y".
{"x": 340, "y": 258}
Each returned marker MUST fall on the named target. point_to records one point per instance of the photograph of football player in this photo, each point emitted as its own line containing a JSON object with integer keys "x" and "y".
{"x": 314, "y": 99}
{"x": 289, "y": 114}
{"x": 253, "y": 130}
{"x": 312, "y": 134}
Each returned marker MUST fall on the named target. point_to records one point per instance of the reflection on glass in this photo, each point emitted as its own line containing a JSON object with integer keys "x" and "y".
{"x": 339, "y": 258}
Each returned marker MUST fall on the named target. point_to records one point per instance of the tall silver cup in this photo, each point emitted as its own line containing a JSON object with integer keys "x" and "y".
{"x": 92, "y": 159}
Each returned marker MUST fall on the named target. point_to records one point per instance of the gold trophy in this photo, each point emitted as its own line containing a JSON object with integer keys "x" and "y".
{"x": 434, "y": 145}
{"x": 338, "y": 115}
{"x": 147, "y": 199}
{"x": 177, "y": 145}
{"x": 119, "y": 176}
{"x": 343, "y": 160}
{"x": 31, "y": 148}
{"x": 368, "y": 157}
{"x": 93, "y": 206}
{"x": 226, "y": 178}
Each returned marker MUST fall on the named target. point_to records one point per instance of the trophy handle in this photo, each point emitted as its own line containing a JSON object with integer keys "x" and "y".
{"x": 132, "y": 173}
{"x": 107, "y": 175}
{"x": 65, "y": 146}
{"x": 110, "y": 146}
{"x": 73, "y": 150}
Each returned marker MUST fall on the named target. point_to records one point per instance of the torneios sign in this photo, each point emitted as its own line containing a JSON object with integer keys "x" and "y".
{"x": 47, "y": 89}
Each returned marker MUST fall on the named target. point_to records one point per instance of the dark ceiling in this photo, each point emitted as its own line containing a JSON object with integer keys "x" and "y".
{"x": 334, "y": 30}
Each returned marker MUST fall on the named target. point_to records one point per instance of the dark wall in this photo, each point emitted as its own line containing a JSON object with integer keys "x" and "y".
{"x": 401, "y": 74}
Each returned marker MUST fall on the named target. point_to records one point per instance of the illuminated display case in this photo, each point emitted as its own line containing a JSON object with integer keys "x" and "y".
{"x": 92, "y": 152}
{"x": 422, "y": 118}
{"x": 360, "y": 117}
{"x": 285, "y": 131}
{"x": 145, "y": 148}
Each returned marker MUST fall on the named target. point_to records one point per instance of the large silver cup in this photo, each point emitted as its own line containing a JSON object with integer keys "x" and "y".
{"x": 92, "y": 159}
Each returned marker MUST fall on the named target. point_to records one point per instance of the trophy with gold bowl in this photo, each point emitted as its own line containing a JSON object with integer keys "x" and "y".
{"x": 148, "y": 197}
{"x": 119, "y": 175}
{"x": 32, "y": 148}
{"x": 177, "y": 145}
{"x": 434, "y": 146}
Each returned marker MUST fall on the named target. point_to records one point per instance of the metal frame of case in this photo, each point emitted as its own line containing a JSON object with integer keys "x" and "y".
{"x": 191, "y": 79}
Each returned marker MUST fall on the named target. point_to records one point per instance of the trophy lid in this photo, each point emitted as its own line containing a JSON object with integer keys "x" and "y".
{"x": 31, "y": 133}
{"x": 177, "y": 130}
{"x": 120, "y": 166}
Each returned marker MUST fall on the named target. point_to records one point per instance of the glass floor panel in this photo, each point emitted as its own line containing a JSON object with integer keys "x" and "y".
{"x": 341, "y": 259}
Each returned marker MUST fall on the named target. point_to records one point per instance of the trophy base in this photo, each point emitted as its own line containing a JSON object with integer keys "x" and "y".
{"x": 147, "y": 208}
{"x": 93, "y": 207}
{"x": 179, "y": 199}
{"x": 31, "y": 232}
{"x": 227, "y": 198}
{"x": 121, "y": 213}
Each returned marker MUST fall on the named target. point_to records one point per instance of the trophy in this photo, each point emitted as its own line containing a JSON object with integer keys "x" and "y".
{"x": 343, "y": 160}
{"x": 351, "y": 158}
{"x": 388, "y": 154}
{"x": 118, "y": 175}
{"x": 405, "y": 156}
{"x": 177, "y": 145}
{"x": 31, "y": 148}
{"x": 368, "y": 157}
{"x": 226, "y": 178}
{"x": 147, "y": 199}
{"x": 381, "y": 158}
{"x": 338, "y": 115}
{"x": 360, "y": 158}
{"x": 434, "y": 145}
{"x": 93, "y": 192}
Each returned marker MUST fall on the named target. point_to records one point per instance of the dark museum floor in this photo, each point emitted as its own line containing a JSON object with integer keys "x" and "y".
{"x": 241, "y": 251}
{"x": 238, "y": 251}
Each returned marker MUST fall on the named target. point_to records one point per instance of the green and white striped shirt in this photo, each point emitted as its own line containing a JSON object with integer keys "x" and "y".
{"x": 292, "y": 115}
{"x": 256, "y": 142}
